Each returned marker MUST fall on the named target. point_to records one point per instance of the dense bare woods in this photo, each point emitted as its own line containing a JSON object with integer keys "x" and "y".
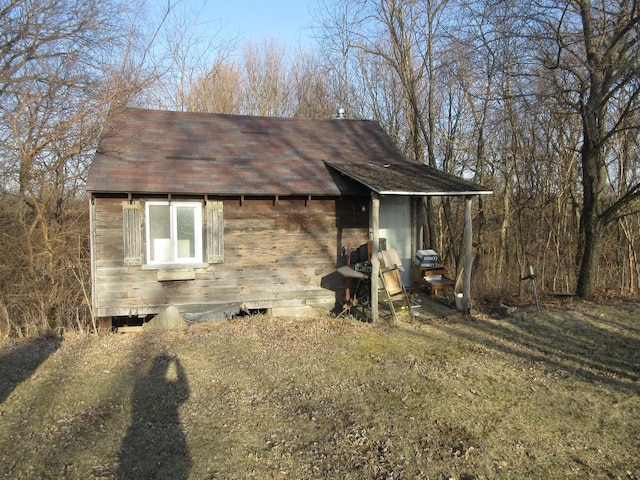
{"x": 62, "y": 66}
{"x": 532, "y": 100}
{"x": 537, "y": 101}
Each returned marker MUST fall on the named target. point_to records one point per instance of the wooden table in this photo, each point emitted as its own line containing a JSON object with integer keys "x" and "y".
{"x": 418, "y": 273}
{"x": 434, "y": 285}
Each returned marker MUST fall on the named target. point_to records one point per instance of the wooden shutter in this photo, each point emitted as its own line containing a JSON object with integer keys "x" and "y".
{"x": 215, "y": 232}
{"x": 132, "y": 232}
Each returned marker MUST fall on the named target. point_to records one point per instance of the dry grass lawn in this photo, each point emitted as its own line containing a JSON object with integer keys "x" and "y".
{"x": 554, "y": 394}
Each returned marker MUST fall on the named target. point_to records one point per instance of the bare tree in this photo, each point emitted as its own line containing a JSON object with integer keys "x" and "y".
{"x": 217, "y": 91}
{"x": 312, "y": 87}
{"x": 591, "y": 54}
{"x": 182, "y": 51}
{"x": 334, "y": 34}
{"x": 537, "y": 100}
{"x": 267, "y": 79}
{"x": 402, "y": 36}
{"x": 63, "y": 64}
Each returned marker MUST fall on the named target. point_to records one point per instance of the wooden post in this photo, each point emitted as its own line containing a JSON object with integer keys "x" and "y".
{"x": 468, "y": 260}
{"x": 532, "y": 277}
{"x": 375, "y": 262}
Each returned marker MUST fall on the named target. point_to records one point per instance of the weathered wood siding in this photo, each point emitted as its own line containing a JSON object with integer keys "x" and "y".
{"x": 277, "y": 253}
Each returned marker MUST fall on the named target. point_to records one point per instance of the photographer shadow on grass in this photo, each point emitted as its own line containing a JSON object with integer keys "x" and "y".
{"x": 155, "y": 445}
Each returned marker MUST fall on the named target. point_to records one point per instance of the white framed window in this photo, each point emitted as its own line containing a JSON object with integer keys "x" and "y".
{"x": 173, "y": 232}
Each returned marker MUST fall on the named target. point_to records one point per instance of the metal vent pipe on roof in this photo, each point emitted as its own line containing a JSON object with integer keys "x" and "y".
{"x": 341, "y": 113}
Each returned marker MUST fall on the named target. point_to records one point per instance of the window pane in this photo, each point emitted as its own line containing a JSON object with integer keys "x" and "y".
{"x": 159, "y": 233}
{"x": 186, "y": 232}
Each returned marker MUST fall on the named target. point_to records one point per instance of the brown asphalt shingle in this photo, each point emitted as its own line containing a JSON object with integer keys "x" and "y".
{"x": 408, "y": 179}
{"x": 153, "y": 151}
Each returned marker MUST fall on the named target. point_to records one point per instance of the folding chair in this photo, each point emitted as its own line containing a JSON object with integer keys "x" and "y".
{"x": 392, "y": 281}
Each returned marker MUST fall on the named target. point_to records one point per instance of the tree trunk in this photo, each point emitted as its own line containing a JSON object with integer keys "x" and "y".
{"x": 468, "y": 255}
{"x": 587, "y": 278}
{"x": 593, "y": 181}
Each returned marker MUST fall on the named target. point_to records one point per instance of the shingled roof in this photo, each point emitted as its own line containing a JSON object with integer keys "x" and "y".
{"x": 408, "y": 179}
{"x": 154, "y": 151}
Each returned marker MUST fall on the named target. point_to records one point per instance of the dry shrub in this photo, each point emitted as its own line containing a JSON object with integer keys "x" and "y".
{"x": 45, "y": 268}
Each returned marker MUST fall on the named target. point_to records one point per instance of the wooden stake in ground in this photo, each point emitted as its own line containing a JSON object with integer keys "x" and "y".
{"x": 532, "y": 277}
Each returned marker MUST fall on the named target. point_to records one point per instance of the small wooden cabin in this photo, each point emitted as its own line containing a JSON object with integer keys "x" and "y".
{"x": 210, "y": 212}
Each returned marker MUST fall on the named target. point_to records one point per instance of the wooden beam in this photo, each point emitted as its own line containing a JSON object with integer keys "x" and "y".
{"x": 468, "y": 260}
{"x": 375, "y": 262}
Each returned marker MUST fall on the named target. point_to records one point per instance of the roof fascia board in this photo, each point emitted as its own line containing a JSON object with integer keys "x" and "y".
{"x": 435, "y": 194}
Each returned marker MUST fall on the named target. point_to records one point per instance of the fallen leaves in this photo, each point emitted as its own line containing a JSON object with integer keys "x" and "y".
{"x": 326, "y": 398}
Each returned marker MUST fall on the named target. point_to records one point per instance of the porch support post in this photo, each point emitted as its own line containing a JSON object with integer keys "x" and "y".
{"x": 468, "y": 260}
{"x": 375, "y": 262}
